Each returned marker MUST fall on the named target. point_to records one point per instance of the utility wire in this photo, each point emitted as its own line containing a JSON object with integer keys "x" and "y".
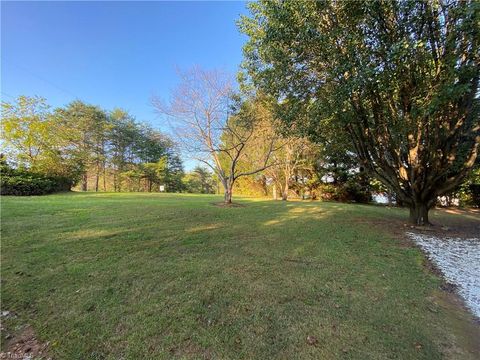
{"x": 43, "y": 79}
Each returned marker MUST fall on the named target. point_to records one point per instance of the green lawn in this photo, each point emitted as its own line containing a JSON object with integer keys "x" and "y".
{"x": 158, "y": 276}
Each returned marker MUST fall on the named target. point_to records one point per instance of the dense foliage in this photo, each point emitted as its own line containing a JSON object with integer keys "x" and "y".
{"x": 22, "y": 182}
{"x": 338, "y": 101}
{"x": 297, "y": 168}
{"x": 400, "y": 78}
{"x": 101, "y": 150}
{"x": 469, "y": 192}
{"x": 200, "y": 181}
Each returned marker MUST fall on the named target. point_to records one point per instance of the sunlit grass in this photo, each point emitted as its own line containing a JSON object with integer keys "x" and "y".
{"x": 148, "y": 276}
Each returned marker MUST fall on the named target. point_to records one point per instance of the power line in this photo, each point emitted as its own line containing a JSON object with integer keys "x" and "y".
{"x": 43, "y": 79}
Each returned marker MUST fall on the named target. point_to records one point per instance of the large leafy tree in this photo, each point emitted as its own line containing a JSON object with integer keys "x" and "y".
{"x": 32, "y": 138}
{"x": 84, "y": 127}
{"x": 122, "y": 138}
{"x": 138, "y": 152}
{"x": 400, "y": 77}
{"x": 25, "y": 129}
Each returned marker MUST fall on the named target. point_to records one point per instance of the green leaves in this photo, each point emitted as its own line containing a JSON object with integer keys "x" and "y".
{"x": 382, "y": 71}
{"x": 81, "y": 139}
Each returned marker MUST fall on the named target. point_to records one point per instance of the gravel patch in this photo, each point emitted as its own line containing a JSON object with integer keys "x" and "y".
{"x": 459, "y": 261}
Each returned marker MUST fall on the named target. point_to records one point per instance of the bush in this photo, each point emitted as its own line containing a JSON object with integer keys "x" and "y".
{"x": 474, "y": 192}
{"x": 358, "y": 190}
{"x": 23, "y": 182}
{"x": 350, "y": 191}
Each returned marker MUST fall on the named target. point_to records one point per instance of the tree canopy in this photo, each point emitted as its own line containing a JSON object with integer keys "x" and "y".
{"x": 399, "y": 77}
{"x": 88, "y": 144}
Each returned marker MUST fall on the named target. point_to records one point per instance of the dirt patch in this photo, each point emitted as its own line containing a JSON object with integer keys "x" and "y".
{"x": 394, "y": 227}
{"x": 23, "y": 345}
{"x": 462, "y": 223}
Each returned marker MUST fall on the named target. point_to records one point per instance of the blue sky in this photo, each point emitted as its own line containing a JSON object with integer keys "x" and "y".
{"x": 113, "y": 54}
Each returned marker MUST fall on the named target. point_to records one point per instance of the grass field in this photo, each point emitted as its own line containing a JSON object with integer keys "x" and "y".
{"x": 157, "y": 276}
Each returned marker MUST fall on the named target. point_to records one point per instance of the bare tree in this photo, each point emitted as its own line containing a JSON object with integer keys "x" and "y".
{"x": 212, "y": 130}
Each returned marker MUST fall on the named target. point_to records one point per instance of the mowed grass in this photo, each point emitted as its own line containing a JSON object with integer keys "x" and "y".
{"x": 159, "y": 276}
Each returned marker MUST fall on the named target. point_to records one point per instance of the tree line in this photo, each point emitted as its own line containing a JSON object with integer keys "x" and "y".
{"x": 84, "y": 147}
{"x": 97, "y": 149}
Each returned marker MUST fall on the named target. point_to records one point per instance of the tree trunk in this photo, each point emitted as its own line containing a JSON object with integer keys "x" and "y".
{"x": 274, "y": 190}
{"x": 119, "y": 182}
{"x": 97, "y": 177}
{"x": 104, "y": 177}
{"x": 115, "y": 185}
{"x": 228, "y": 195}
{"x": 419, "y": 214}
{"x": 228, "y": 190}
{"x": 84, "y": 182}
{"x": 285, "y": 191}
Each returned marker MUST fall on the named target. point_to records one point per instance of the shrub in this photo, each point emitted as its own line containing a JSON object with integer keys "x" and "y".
{"x": 23, "y": 182}
{"x": 350, "y": 191}
{"x": 358, "y": 190}
{"x": 474, "y": 192}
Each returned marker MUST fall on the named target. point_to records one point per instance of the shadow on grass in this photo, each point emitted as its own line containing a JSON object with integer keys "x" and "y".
{"x": 189, "y": 279}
